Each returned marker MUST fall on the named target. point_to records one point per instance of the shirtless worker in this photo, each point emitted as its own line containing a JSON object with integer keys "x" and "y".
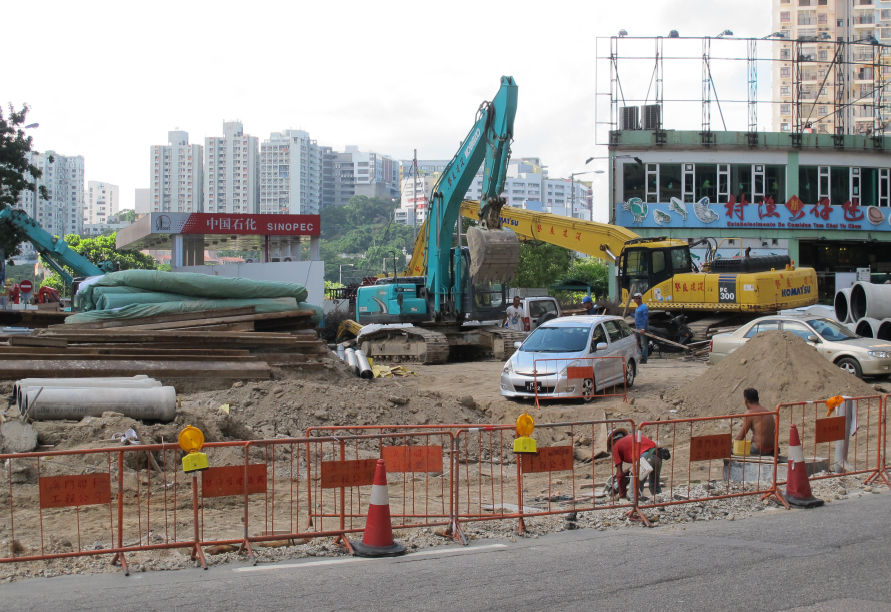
{"x": 763, "y": 427}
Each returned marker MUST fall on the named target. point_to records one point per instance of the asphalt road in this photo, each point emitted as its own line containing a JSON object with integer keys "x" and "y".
{"x": 832, "y": 559}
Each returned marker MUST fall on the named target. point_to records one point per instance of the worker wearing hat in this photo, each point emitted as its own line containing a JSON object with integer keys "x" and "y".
{"x": 588, "y": 305}
{"x": 621, "y": 445}
{"x": 641, "y": 324}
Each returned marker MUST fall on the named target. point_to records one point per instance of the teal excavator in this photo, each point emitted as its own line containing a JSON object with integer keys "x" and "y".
{"x": 463, "y": 284}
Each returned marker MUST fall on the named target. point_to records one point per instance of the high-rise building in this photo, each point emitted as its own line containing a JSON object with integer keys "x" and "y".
{"x": 526, "y": 186}
{"x": 142, "y": 201}
{"x": 231, "y": 171}
{"x": 831, "y": 88}
{"x": 355, "y": 172}
{"x": 101, "y": 201}
{"x": 63, "y": 176}
{"x": 290, "y": 174}
{"x": 177, "y": 171}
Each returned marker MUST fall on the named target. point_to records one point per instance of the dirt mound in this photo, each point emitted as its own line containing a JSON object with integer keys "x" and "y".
{"x": 780, "y": 365}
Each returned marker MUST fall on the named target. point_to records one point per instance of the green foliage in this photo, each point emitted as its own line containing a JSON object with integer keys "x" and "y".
{"x": 365, "y": 229}
{"x": 589, "y": 270}
{"x": 100, "y": 250}
{"x": 17, "y": 274}
{"x": 15, "y": 164}
{"x": 541, "y": 263}
{"x": 127, "y": 216}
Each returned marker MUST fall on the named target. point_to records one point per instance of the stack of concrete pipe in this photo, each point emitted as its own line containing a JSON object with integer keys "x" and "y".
{"x": 137, "y": 397}
{"x": 356, "y": 360}
{"x": 865, "y": 309}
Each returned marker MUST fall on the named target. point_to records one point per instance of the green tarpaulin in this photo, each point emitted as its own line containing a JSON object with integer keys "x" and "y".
{"x": 135, "y": 311}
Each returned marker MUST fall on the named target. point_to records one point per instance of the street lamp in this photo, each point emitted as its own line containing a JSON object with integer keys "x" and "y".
{"x": 636, "y": 159}
{"x": 572, "y": 184}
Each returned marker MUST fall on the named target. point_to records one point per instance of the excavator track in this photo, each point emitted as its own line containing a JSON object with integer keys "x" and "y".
{"x": 415, "y": 344}
{"x": 508, "y": 337}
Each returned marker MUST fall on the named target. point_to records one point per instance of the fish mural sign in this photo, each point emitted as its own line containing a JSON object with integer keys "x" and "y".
{"x": 741, "y": 214}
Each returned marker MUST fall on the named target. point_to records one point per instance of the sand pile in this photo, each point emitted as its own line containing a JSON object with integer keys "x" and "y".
{"x": 780, "y": 365}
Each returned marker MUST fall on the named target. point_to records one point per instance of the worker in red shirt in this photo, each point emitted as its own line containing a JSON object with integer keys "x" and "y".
{"x": 621, "y": 445}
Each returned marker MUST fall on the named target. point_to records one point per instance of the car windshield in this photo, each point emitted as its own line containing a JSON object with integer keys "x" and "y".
{"x": 832, "y": 331}
{"x": 557, "y": 340}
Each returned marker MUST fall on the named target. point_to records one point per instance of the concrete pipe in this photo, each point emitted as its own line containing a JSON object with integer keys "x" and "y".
{"x": 99, "y": 381}
{"x": 843, "y": 306}
{"x": 851, "y": 326}
{"x": 54, "y": 403}
{"x": 22, "y": 386}
{"x": 364, "y": 367}
{"x": 868, "y": 300}
{"x": 884, "y": 332}
{"x": 352, "y": 361}
{"x": 341, "y": 352}
{"x": 868, "y": 328}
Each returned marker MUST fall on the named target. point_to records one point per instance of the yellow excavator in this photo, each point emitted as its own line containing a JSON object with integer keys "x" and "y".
{"x": 719, "y": 291}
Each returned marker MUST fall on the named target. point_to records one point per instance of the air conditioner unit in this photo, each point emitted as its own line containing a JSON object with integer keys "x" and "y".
{"x": 652, "y": 116}
{"x": 629, "y": 118}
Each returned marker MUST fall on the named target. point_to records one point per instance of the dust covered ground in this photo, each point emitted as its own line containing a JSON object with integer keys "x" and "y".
{"x": 458, "y": 393}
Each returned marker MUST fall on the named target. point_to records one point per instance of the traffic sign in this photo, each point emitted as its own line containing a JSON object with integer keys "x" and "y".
{"x": 26, "y": 286}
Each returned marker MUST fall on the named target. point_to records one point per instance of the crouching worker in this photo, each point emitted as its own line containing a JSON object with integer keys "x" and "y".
{"x": 621, "y": 445}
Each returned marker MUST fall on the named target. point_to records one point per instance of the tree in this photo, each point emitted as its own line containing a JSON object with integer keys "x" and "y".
{"x": 127, "y": 216}
{"x": 99, "y": 250}
{"x": 17, "y": 173}
{"x": 588, "y": 270}
{"x": 540, "y": 264}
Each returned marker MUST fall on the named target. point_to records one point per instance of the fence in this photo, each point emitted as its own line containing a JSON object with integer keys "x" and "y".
{"x": 489, "y": 478}
{"x": 116, "y": 501}
{"x": 850, "y": 442}
{"x": 695, "y": 444}
{"x": 583, "y": 378}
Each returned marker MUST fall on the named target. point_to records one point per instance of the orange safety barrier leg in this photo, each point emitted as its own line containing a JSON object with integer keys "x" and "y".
{"x": 197, "y": 552}
{"x": 246, "y": 548}
{"x": 119, "y": 558}
{"x": 777, "y": 495}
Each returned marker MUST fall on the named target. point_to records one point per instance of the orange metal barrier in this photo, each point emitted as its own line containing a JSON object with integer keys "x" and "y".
{"x": 140, "y": 487}
{"x": 492, "y": 483}
{"x": 831, "y": 453}
{"x": 701, "y": 452}
{"x": 583, "y": 378}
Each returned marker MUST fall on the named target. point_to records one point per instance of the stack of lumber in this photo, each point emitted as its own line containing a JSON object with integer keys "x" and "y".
{"x": 235, "y": 343}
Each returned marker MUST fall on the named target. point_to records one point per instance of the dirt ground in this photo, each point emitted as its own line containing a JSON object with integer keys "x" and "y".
{"x": 458, "y": 393}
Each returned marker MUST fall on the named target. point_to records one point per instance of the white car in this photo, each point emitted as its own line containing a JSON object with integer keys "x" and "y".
{"x": 570, "y": 340}
{"x": 855, "y": 354}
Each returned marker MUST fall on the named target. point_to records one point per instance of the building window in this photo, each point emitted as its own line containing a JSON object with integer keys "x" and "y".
{"x": 823, "y": 18}
{"x": 786, "y": 71}
{"x": 785, "y": 54}
{"x": 785, "y": 17}
{"x": 804, "y": 2}
{"x": 784, "y": 127}
{"x": 785, "y": 90}
{"x": 785, "y": 109}
{"x": 885, "y": 32}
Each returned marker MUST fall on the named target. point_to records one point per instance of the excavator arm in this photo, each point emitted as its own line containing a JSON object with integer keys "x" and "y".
{"x": 54, "y": 251}
{"x": 493, "y": 253}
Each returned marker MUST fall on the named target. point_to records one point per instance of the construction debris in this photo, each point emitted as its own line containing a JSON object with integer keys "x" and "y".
{"x": 383, "y": 371}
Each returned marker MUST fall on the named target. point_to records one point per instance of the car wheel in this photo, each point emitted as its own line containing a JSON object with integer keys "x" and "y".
{"x": 850, "y": 365}
{"x": 588, "y": 390}
{"x": 629, "y": 375}
{"x": 549, "y": 316}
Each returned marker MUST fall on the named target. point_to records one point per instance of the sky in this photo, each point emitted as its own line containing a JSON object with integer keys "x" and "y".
{"x": 107, "y": 80}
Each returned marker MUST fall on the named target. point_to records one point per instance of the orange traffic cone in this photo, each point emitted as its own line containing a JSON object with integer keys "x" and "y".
{"x": 798, "y": 487}
{"x": 377, "y": 541}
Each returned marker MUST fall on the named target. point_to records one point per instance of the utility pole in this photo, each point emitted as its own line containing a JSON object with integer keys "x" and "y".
{"x": 414, "y": 218}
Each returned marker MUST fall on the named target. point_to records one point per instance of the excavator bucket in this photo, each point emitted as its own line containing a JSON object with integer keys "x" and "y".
{"x": 494, "y": 255}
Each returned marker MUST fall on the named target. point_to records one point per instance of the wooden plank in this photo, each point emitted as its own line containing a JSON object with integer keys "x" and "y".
{"x": 126, "y": 356}
{"x": 179, "y": 316}
{"x": 284, "y": 359}
{"x": 217, "y": 320}
{"x": 126, "y": 349}
{"x": 91, "y": 368}
{"x": 31, "y": 318}
{"x": 664, "y": 341}
{"x": 233, "y": 338}
{"x": 235, "y": 327}
{"x": 37, "y": 341}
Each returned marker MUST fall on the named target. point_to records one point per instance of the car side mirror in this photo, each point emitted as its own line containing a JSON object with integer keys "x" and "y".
{"x": 518, "y": 344}
{"x": 813, "y": 339}
{"x": 601, "y": 346}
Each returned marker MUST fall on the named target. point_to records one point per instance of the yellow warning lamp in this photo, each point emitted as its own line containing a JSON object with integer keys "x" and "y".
{"x": 191, "y": 440}
{"x": 523, "y": 443}
{"x": 834, "y": 402}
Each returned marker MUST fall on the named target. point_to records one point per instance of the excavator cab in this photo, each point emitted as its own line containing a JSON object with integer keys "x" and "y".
{"x": 647, "y": 265}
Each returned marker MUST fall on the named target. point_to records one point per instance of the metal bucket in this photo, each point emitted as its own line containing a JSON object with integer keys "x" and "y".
{"x": 494, "y": 255}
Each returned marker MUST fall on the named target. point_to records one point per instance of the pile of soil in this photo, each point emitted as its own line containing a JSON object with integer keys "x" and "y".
{"x": 780, "y": 365}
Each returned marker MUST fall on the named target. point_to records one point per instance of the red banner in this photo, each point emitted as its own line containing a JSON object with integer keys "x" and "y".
{"x": 548, "y": 459}
{"x": 350, "y": 473}
{"x": 706, "y": 448}
{"x": 63, "y": 491}
{"x": 229, "y": 480}
{"x": 252, "y": 225}
{"x": 412, "y": 458}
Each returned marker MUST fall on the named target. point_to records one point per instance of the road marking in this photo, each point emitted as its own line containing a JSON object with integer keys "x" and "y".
{"x": 438, "y": 551}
